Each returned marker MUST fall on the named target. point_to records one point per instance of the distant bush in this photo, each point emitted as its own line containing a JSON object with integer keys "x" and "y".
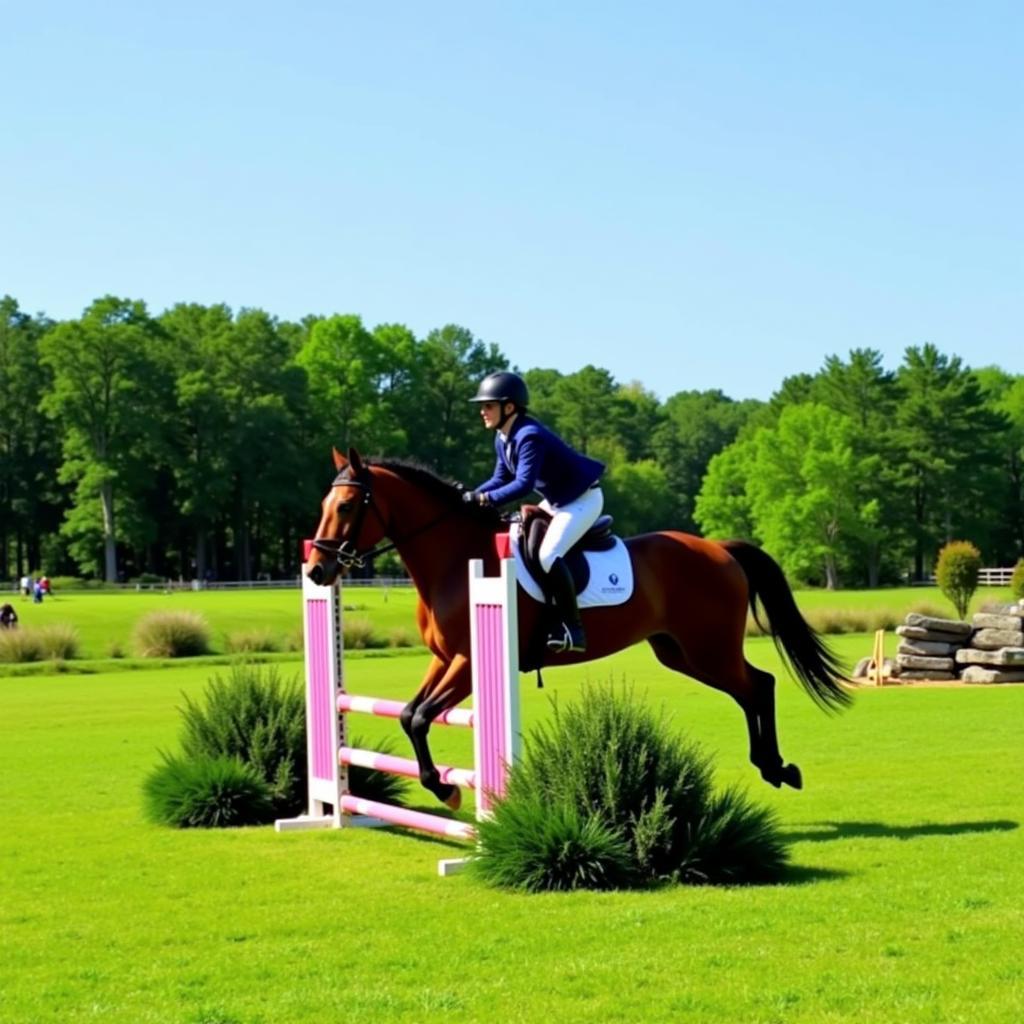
{"x": 172, "y": 634}
{"x": 38, "y": 643}
{"x": 115, "y": 649}
{"x": 251, "y": 641}
{"x": 359, "y": 634}
{"x": 607, "y": 795}
{"x": 59, "y": 641}
{"x": 855, "y": 620}
{"x": 20, "y": 645}
{"x": 956, "y": 573}
{"x": 401, "y": 636}
{"x": 1017, "y": 580}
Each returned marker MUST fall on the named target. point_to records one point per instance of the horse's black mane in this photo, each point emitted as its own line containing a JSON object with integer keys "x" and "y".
{"x": 448, "y": 491}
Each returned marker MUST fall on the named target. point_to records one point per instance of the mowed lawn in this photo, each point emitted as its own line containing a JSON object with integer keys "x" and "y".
{"x": 904, "y": 903}
{"x": 105, "y": 621}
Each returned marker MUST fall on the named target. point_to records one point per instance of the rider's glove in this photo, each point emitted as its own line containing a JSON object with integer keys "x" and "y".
{"x": 468, "y": 497}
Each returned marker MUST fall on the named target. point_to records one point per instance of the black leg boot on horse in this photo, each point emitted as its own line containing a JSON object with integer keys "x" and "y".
{"x": 567, "y": 632}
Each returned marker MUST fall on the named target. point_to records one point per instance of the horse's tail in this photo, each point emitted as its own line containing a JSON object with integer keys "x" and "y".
{"x": 812, "y": 661}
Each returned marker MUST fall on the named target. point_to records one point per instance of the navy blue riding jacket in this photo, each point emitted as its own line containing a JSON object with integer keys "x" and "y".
{"x": 536, "y": 459}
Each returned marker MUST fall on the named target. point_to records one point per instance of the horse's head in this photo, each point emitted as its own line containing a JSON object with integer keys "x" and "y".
{"x": 346, "y": 530}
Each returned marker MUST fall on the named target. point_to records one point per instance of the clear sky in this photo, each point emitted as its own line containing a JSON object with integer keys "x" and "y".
{"x": 692, "y": 195}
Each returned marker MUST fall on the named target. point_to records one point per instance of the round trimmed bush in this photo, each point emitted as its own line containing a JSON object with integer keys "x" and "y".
{"x": 207, "y": 792}
{"x": 172, "y": 634}
{"x": 1017, "y": 580}
{"x": 956, "y": 573}
{"x": 609, "y": 775}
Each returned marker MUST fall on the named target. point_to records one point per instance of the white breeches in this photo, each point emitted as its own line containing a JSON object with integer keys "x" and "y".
{"x": 568, "y": 524}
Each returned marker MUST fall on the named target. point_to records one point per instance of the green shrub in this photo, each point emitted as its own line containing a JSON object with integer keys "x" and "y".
{"x": 206, "y": 792}
{"x": 20, "y": 644}
{"x": 251, "y": 641}
{"x": 535, "y": 846}
{"x": 255, "y": 717}
{"x": 38, "y": 643}
{"x": 172, "y": 634}
{"x": 401, "y": 636}
{"x": 956, "y": 573}
{"x": 611, "y": 760}
{"x": 1017, "y": 580}
{"x": 359, "y": 634}
{"x": 59, "y": 641}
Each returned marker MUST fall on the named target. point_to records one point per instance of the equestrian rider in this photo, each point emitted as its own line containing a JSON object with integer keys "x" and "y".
{"x": 530, "y": 457}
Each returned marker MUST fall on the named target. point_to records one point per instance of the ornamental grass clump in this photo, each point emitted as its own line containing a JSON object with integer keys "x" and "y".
{"x": 956, "y": 573}
{"x": 607, "y": 795}
{"x": 207, "y": 792}
{"x": 172, "y": 634}
{"x": 39, "y": 643}
{"x": 256, "y": 720}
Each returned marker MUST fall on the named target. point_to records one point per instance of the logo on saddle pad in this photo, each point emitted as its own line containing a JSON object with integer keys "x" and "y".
{"x": 611, "y": 575}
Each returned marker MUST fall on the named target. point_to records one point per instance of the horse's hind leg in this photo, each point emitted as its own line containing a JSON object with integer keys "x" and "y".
{"x": 754, "y": 691}
{"x": 759, "y": 708}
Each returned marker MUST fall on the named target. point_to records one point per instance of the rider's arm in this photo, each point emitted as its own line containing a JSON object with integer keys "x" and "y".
{"x": 528, "y": 461}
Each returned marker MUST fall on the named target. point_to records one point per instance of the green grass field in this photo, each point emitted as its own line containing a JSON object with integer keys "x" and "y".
{"x": 104, "y": 620}
{"x": 904, "y": 904}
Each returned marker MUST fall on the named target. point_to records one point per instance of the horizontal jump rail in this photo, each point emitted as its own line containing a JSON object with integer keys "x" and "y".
{"x": 393, "y": 765}
{"x": 408, "y": 819}
{"x": 350, "y": 703}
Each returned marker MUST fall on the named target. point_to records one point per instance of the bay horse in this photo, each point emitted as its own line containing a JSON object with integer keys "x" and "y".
{"x": 689, "y": 603}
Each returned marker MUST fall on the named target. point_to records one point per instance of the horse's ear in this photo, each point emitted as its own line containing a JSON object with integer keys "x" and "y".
{"x": 339, "y": 459}
{"x": 355, "y": 461}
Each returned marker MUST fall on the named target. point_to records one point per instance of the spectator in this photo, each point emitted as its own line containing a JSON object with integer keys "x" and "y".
{"x": 44, "y": 582}
{"x": 8, "y": 616}
{"x": 26, "y": 586}
{"x": 37, "y": 593}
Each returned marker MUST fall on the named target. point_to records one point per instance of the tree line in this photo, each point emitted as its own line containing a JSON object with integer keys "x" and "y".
{"x": 196, "y": 444}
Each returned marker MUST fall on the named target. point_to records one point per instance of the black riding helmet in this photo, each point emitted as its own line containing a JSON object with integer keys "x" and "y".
{"x": 503, "y": 387}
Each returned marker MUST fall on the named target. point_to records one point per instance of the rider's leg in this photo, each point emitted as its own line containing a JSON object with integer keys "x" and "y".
{"x": 568, "y": 524}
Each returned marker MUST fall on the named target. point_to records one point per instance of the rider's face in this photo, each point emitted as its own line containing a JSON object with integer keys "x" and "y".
{"x": 490, "y": 413}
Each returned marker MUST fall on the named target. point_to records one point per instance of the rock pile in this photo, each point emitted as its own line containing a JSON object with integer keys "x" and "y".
{"x": 995, "y": 653}
{"x": 928, "y": 646}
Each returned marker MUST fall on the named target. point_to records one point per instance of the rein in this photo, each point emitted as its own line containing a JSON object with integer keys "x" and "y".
{"x": 346, "y": 551}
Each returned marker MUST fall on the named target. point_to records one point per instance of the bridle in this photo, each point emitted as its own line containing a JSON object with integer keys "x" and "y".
{"x": 347, "y": 552}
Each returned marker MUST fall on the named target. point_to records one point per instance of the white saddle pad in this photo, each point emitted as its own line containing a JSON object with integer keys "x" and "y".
{"x": 611, "y": 575}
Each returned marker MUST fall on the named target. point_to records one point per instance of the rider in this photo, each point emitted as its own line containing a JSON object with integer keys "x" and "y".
{"x": 531, "y": 457}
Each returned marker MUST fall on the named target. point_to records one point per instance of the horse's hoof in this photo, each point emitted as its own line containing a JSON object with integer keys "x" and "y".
{"x": 453, "y": 801}
{"x": 791, "y": 776}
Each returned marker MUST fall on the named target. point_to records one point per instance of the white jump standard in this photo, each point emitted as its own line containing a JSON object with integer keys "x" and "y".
{"x": 494, "y": 717}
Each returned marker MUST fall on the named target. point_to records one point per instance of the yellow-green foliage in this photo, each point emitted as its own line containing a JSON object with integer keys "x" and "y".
{"x": 39, "y": 643}
{"x": 172, "y": 634}
{"x": 1017, "y": 580}
{"x": 956, "y": 573}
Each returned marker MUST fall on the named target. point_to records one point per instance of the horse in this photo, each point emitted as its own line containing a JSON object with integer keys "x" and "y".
{"x": 689, "y": 603}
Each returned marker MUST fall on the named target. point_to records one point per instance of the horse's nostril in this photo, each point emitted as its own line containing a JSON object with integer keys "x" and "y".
{"x": 316, "y": 574}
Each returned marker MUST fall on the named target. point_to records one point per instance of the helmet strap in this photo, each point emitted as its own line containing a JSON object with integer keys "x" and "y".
{"x": 505, "y": 417}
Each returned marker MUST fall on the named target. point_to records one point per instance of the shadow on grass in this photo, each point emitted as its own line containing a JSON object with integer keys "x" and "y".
{"x": 827, "y": 830}
{"x": 800, "y": 874}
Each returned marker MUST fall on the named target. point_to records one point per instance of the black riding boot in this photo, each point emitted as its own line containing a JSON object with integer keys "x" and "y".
{"x": 567, "y": 635}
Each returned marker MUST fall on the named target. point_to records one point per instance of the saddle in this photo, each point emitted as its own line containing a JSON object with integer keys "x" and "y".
{"x": 535, "y": 522}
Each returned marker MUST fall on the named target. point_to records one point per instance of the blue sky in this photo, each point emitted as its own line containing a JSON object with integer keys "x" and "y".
{"x": 691, "y": 195}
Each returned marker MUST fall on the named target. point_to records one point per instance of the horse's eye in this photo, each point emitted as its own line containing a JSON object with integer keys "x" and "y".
{"x": 344, "y": 506}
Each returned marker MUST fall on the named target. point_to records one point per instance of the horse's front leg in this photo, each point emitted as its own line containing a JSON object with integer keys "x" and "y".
{"x": 445, "y": 684}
